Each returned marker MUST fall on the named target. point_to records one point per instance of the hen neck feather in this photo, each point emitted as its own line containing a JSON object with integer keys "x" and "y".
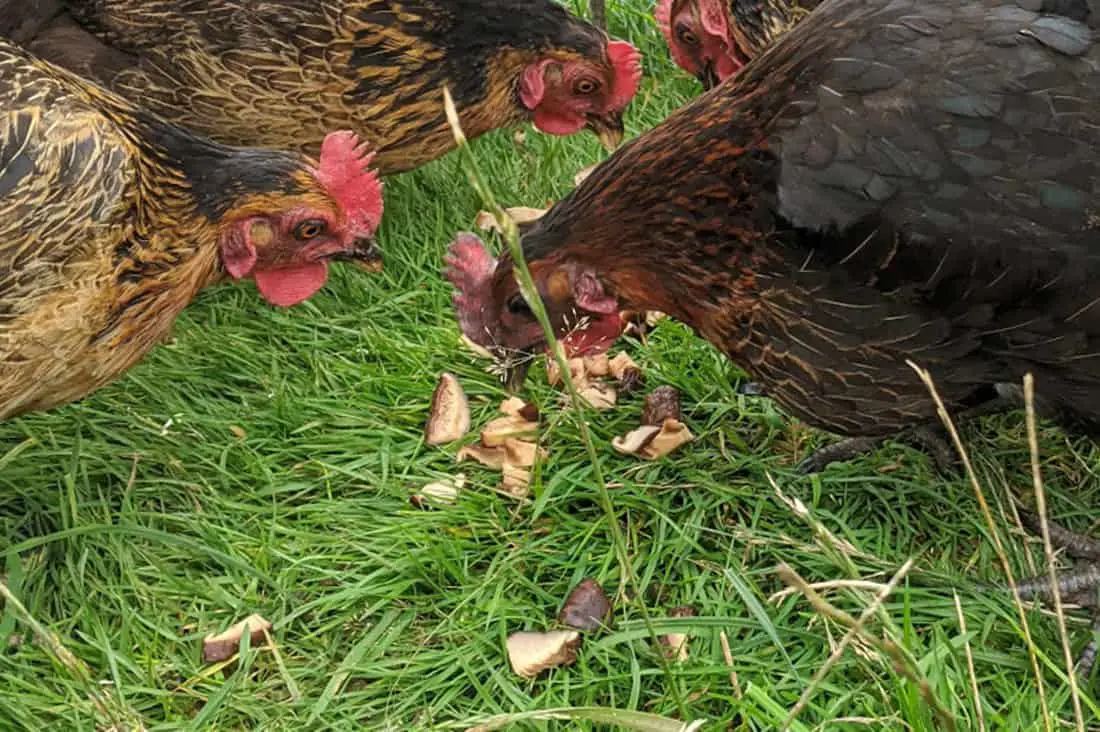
{"x": 678, "y": 219}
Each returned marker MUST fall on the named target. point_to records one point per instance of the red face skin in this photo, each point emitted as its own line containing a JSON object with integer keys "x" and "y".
{"x": 287, "y": 250}
{"x": 700, "y": 40}
{"x": 492, "y": 312}
{"x": 568, "y": 95}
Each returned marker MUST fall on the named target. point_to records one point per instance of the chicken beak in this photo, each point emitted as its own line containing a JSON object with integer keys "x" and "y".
{"x": 708, "y": 77}
{"x": 609, "y": 128}
{"x": 364, "y": 254}
{"x": 515, "y": 374}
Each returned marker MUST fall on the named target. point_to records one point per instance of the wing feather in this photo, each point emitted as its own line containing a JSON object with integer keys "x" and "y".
{"x": 67, "y": 182}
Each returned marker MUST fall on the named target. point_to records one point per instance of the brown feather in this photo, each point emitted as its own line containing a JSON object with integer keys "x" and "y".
{"x": 105, "y": 236}
{"x": 844, "y": 205}
{"x": 282, "y": 74}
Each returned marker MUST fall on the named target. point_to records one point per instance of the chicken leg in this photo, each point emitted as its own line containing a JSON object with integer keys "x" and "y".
{"x": 933, "y": 439}
{"x": 1080, "y": 585}
{"x": 930, "y": 439}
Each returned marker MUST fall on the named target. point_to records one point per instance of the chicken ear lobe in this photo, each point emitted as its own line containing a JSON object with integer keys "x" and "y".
{"x": 532, "y": 85}
{"x": 237, "y": 252}
{"x": 589, "y": 294}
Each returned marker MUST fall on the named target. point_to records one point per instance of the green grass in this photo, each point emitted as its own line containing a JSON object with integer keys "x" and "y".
{"x": 139, "y": 520}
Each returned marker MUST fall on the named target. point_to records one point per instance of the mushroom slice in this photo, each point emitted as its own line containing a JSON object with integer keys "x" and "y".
{"x": 532, "y": 653}
{"x": 449, "y": 416}
{"x": 220, "y": 646}
{"x": 587, "y": 607}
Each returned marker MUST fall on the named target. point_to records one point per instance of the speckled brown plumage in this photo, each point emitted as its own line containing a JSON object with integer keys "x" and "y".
{"x": 109, "y": 225}
{"x": 891, "y": 180}
{"x": 282, "y": 73}
{"x": 756, "y": 24}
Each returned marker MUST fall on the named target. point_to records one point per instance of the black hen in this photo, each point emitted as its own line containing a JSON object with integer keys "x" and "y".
{"x": 891, "y": 181}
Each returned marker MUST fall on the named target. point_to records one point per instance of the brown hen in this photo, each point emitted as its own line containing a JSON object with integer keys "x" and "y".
{"x": 892, "y": 180}
{"x": 111, "y": 221}
{"x": 713, "y": 39}
{"x": 843, "y": 205}
{"x": 282, "y": 73}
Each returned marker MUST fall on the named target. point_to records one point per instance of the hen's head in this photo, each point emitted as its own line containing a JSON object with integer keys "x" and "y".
{"x": 701, "y": 38}
{"x": 493, "y": 313}
{"x": 567, "y": 92}
{"x": 284, "y": 239}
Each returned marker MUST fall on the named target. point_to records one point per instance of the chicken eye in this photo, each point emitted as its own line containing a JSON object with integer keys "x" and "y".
{"x": 585, "y": 86}
{"x": 310, "y": 229}
{"x": 686, "y": 36}
{"x": 518, "y": 306}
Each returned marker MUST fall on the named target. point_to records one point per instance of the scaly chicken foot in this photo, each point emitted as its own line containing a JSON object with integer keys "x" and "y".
{"x": 931, "y": 439}
{"x": 1079, "y": 585}
{"x": 1087, "y": 659}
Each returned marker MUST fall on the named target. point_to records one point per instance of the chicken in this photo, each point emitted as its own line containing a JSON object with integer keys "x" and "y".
{"x": 111, "y": 221}
{"x": 282, "y": 73}
{"x": 713, "y": 39}
{"x": 892, "y": 180}
{"x": 844, "y": 205}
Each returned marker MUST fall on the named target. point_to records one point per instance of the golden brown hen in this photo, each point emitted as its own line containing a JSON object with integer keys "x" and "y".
{"x": 713, "y": 39}
{"x": 112, "y": 220}
{"x": 281, "y": 74}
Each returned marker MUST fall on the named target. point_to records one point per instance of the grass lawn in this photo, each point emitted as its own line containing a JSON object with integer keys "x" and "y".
{"x": 263, "y": 462}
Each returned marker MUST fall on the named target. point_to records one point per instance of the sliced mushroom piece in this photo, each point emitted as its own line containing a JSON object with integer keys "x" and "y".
{"x": 626, "y": 372}
{"x": 598, "y": 365}
{"x": 440, "y": 492}
{"x": 599, "y": 395}
{"x": 478, "y": 350}
{"x": 576, "y": 372}
{"x": 220, "y": 646}
{"x": 652, "y": 442}
{"x": 502, "y": 429}
{"x": 525, "y": 214}
{"x": 673, "y": 434}
{"x": 633, "y": 442}
{"x": 662, "y": 403}
{"x": 515, "y": 481}
{"x": 486, "y": 221}
{"x": 675, "y": 645}
{"x": 521, "y": 453}
{"x": 490, "y": 457}
{"x": 587, "y": 607}
{"x": 619, "y": 365}
{"x": 449, "y": 416}
{"x": 516, "y": 407}
{"x": 532, "y": 653}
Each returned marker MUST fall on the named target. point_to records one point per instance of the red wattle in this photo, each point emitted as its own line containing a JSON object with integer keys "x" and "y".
{"x": 288, "y": 286}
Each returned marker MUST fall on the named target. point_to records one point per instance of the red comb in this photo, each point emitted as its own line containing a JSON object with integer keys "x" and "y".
{"x": 663, "y": 14}
{"x": 344, "y": 172}
{"x": 627, "y": 64}
{"x": 713, "y": 17}
{"x": 470, "y": 267}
